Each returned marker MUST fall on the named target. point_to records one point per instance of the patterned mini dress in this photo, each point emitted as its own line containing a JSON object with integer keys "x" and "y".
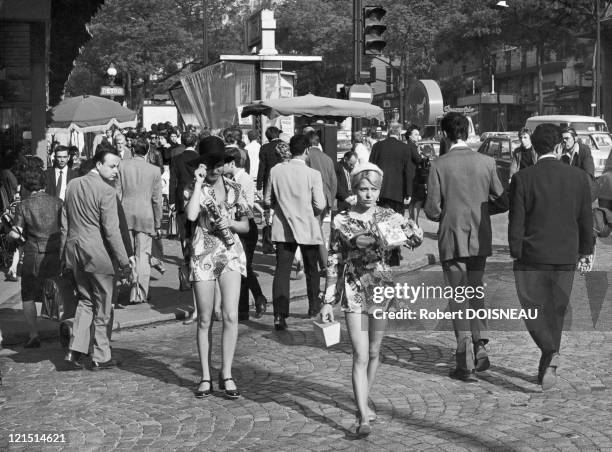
{"x": 210, "y": 257}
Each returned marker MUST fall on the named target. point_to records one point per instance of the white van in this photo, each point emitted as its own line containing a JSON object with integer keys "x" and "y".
{"x": 590, "y": 130}
{"x": 578, "y": 123}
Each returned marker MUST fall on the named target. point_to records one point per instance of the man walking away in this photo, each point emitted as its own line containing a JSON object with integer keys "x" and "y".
{"x": 94, "y": 250}
{"x": 295, "y": 192}
{"x": 550, "y": 229}
{"x": 461, "y": 183}
{"x": 140, "y": 193}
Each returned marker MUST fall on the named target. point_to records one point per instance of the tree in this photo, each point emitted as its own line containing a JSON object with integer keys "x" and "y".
{"x": 158, "y": 38}
{"x": 317, "y": 27}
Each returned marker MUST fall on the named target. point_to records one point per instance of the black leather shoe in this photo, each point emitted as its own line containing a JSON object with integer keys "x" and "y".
{"x": 74, "y": 359}
{"x": 243, "y": 316}
{"x": 201, "y": 394}
{"x": 229, "y": 393}
{"x": 34, "y": 342}
{"x": 469, "y": 376}
{"x": 280, "y": 324}
{"x": 260, "y": 306}
{"x": 110, "y": 364}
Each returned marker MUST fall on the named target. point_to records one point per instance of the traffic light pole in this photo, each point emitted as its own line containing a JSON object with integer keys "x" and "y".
{"x": 357, "y": 50}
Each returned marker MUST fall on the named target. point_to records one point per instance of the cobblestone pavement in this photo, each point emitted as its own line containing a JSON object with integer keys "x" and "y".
{"x": 297, "y": 395}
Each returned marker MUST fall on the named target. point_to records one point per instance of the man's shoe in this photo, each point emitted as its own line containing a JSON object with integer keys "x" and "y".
{"x": 468, "y": 376}
{"x": 260, "y": 306}
{"x": 481, "y": 358}
{"x": 34, "y": 342}
{"x": 74, "y": 359}
{"x": 280, "y": 324}
{"x": 110, "y": 364}
{"x": 243, "y": 316}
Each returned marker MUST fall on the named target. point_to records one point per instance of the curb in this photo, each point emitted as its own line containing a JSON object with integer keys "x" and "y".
{"x": 181, "y": 314}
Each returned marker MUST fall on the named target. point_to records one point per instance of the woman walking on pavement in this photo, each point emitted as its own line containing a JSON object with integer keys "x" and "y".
{"x": 220, "y": 211}
{"x": 358, "y": 263}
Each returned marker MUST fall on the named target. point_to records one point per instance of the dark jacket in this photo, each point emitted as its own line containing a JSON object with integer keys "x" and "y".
{"x": 39, "y": 215}
{"x": 394, "y": 158}
{"x": 550, "y": 219}
{"x": 325, "y": 165}
{"x": 181, "y": 175}
{"x": 50, "y": 180}
{"x": 268, "y": 158}
{"x": 522, "y": 158}
{"x": 583, "y": 159}
{"x": 343, "y": 190}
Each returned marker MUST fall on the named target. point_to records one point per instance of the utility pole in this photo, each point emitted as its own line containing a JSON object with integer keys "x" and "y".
{"x": 204, "y": 33}
{"x": 598, "y": 56}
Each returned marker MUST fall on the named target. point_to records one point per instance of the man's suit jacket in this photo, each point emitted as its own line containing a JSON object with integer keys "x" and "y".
{"x": 415, "y": 155}
{"x": 295, "y": 192}
{"x": 325, "y": 165}
{"x": 181, "y": 175}
{"x": 583, "y": 159}
{"x": 460, "y": 185}
{"x": 343, "y": 190}
{"x": 139, "y": 187}
{"x": 93, "y": 241}
{"x": 51, "y": 183}
{"x": 268, "y": 158}
{"x": 127, "y": 152}
{"x": 177, "y": 150}
{"x": 550, "y": 219}
{"x": 393, "y": 158}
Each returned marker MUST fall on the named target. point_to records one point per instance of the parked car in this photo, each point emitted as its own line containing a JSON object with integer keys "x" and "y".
{"x": 577, "y": 122}
{"x": 486, "y": 135}
{"x": 501, "y": 147}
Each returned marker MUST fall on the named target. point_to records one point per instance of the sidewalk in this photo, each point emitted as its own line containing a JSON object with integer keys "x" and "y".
{"x": 167, "y": 303}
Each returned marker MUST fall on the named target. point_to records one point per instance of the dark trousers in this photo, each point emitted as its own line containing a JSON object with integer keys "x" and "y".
{"x": 285, "y": 252}
{"x": 249, "y": 242}
{"x": 466, "y": 272}
{"x": 547, "y": 289}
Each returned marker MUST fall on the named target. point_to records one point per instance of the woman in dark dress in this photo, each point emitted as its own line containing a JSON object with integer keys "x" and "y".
{"x": 37, "y": 224}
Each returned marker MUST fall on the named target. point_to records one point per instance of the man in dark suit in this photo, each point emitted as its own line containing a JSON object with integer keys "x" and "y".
{"x": 550, "y": 230}
{"x": 139, "y": 187}
{"x": 59, "y": 174}
{"x": 412, "y": 139}
{"x": 181, "y": 175}
{"x": 95, "y": 252}
{"x": 393, "y": 158}
{"x": 461, "y": 184}
{"x": 344, "y": 194}
{"x": 176, "y": 148}
{"x": 267, "y": 159}
{"x": 318, "y": 160}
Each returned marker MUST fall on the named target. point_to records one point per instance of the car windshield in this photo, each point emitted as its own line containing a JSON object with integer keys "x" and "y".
{"x": 602, "y": 139}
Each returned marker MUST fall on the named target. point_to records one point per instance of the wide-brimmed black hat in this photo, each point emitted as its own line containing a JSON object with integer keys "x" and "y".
{"x": 212, "y": 152}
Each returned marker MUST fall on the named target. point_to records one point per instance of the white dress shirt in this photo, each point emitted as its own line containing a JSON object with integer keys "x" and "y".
{"x": 246, "y": 182}
{"x": 253, "y": 150}
{"x": 62, "y": 193}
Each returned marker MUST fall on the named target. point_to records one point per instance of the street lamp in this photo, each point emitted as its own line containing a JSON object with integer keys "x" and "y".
{"x": 112, "y": 73}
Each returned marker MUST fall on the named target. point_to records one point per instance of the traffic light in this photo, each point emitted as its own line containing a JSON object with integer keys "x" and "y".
{"x": 373, "y": 28}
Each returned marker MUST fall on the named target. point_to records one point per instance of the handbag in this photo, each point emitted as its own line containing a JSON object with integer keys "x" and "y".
{"x": 498, "y": 205}
{"x": 183, "y": 273}
{"x": 59, "y": 298}
{"x": 266, "y": 240}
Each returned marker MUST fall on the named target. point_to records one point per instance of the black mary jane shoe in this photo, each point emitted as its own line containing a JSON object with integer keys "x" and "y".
{"x": 229, "y": 393}
{"x": 201, "y": 394}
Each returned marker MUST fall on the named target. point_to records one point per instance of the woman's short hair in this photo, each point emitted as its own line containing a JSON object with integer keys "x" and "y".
{"x": 33, "y": 175}
{"x": 372, "y": 176}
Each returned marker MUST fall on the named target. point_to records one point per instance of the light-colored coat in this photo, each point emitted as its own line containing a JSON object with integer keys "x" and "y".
{"x": 295, "y": 192}
{"x": 93, "y": 240}
{"x": 460, "y": 184}
{"x": 139, "y": 187}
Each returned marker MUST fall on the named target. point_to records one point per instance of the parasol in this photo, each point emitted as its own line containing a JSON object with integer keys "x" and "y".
{"x": 313, "y": 107}
{"x": 89, "y": 114}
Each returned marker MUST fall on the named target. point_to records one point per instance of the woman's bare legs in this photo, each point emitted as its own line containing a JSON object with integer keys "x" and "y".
{"x": 230, "y": 293}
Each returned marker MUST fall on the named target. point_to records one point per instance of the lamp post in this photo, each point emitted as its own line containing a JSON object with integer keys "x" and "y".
{"x": 598, "y": 63}
{"x": 112, "y": 73}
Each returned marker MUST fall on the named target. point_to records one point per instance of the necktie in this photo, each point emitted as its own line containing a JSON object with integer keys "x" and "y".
{"x": 58, "y": 185}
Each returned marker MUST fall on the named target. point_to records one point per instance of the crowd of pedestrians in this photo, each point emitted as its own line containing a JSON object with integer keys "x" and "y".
{"x": 104, "y": 223}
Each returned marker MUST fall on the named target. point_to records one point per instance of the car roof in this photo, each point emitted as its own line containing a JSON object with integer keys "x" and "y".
{"x": 565, "y": 118}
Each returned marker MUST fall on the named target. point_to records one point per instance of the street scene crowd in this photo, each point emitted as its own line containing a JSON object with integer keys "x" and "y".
{"x": 97, "y": 224}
